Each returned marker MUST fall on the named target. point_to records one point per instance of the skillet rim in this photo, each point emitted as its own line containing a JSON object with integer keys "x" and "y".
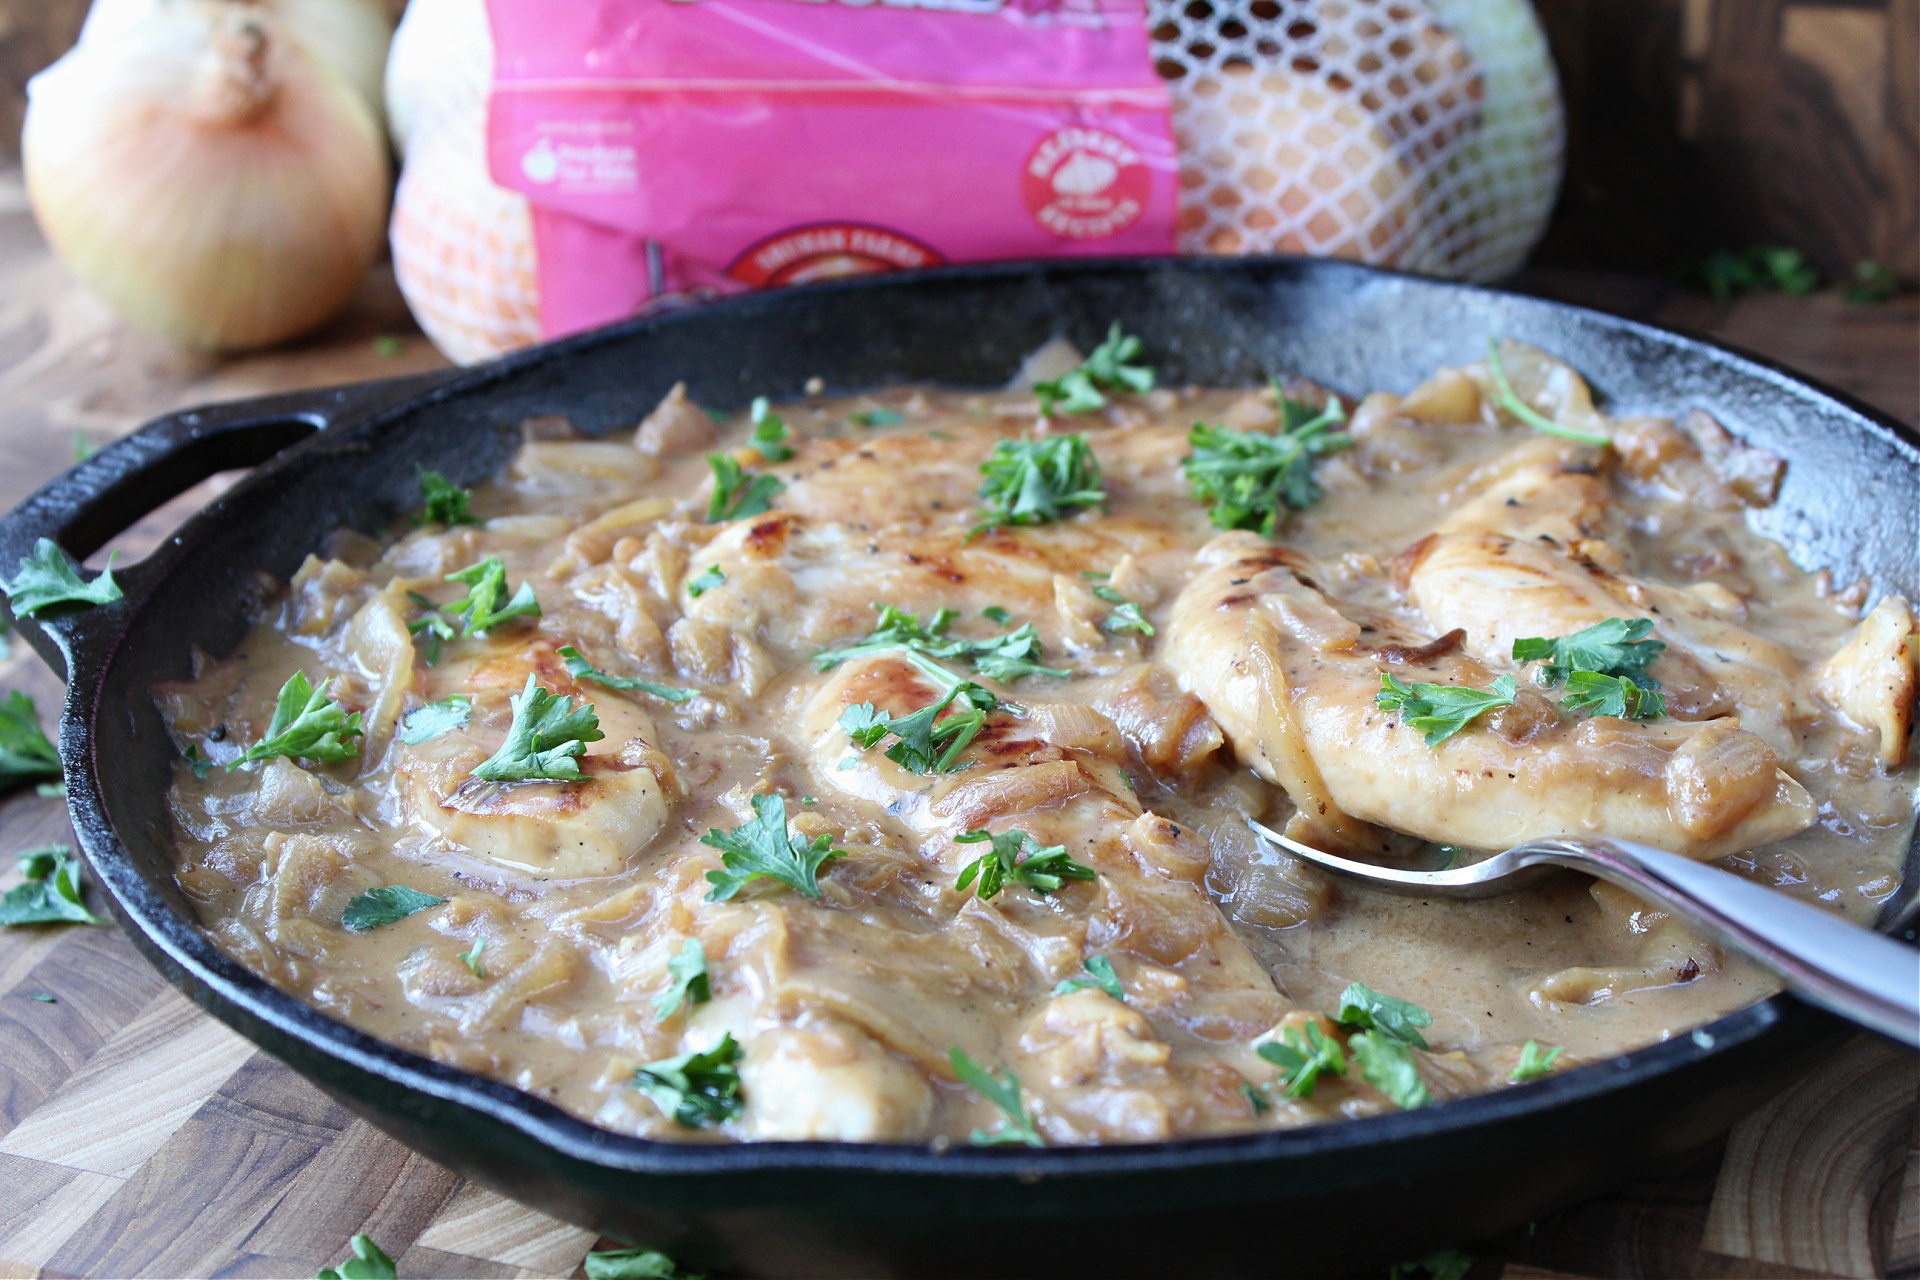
{"x": 190, "y": 958}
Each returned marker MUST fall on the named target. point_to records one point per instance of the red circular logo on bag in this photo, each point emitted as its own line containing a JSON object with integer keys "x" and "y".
{"x": 825, "y": 250}
{"x": 1083, "y": 183}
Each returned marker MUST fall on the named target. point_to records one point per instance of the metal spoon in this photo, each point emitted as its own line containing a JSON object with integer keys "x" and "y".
{"x": 1841, "y": 967}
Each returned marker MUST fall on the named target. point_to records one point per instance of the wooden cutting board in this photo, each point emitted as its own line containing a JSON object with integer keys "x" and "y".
{"x": 138, "y": 1137}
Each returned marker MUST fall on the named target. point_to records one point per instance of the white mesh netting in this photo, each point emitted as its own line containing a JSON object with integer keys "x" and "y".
{"x": 1419, "y": 134}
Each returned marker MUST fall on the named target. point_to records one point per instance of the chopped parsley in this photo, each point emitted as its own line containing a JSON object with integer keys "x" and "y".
{"x": 1604, "y": 667}
{"x": 369, "y": 1262}
{"x": 762, "y": 846}
{"x": 696, "y": 1089}
{"x": 306, "y": 725}
{"x": 770, "y": 434}
{"x": 1125, "y": 616}
{"x": 1303, "y": 1058}
{"x": 1003, "y": 1091}
{"x": 52, "y": 893}
{"x": 1365, "y": 1009}
{"x": 384, "y": 906}
{"x": 688, "y": 974}
{"x": 697, "y": 587}
{"x": 1248, "y": 477}
{"x": 1591, "y": 694}
{"x": 1103, "y": 977}
{"x": 632, "y": 1264}
{"x": 471, "y": 958}
{"x": 425, "y": 723}
{"x": 738, "y": 492}
{"x": 1505, "y": 397}
{"x": 1389, "y": 1031}
{"x": 47, "y": 578}
{"x": 876, "y": 418}
{"x": 1255, "y": 1099}
{"x": 1037, "y": 481}
{"x": 200, "y": 765}
{"x": 1004, "y": 657}
{"x": 1441, "y": 710}
{"x": 445, "y": 502}
{"x": 1535, "y": 1062}
{"x": 481, "y": 611}
{"x": 580, "y": 669}
{"x": 545, "y": 741}
{"x": 1014, "y": 857}
{"x": 994, "y": 613}
{"x": 433, "y": 625}
{"x": 26, "y": 753}
{"x": 925, "y": 743}
{"x": 1108, "y": 368}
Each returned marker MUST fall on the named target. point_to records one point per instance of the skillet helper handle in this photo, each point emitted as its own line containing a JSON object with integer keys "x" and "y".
{"x": 1843, "y": 968}
{"x": 99, "y": 498}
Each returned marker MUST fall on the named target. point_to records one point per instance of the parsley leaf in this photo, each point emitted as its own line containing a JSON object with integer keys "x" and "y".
{"x": 471, "y": 958}
{"x": 632, "y": 1264}
{"x": 1103, "y": 977}
{"x": 688, "y": 970}
{"x": 580, "y": 669}
{"x": 25, "y": 751}
{"x": 1387, "y": 1065}
{"x": 433, "y": 624}
{"x": 1037, "y": 481}
{"x": 52, "y": 893}
{"x": 1042, "y": 870}
{"x": 1004, "y": 657}
{"x": 1247, "y": 477}
{"x": 770, "y": 433}
{"x": 306, "y": 725}
{"x": 445, "y": 502}
{"x": 1446, "y": 1264}
{"x": 425, "y": 723}
{"x": 369, "y": 1262}
{"x": 696, "y": 1089}
{"x": 545, "y": 741}
{"x": 385, "y": 905}
{"x": 1364, "y": 1008}
{"x": 697, "y": 587}
{"x": 486, "y": 583}
{"x": 1591, "y": 694}
{"x": 738, "y": 492}
{"x": 47, "y": 578}
{"x": 927, "y": 744}
{"x": 763, "y": 846}
{"x": 1616, "y": 647}
{"x": 1441, "y": 710}
{"x": 1534, "y": 1062}
{"x": 1107, "y": 368}
{"x": 1126, "y": 615}
{"x": 1304, "y": 1058}
{"x": 1505, "y": 397}
{"x": 1003, "y": 1091}
{"x": 994, "y": 613}
{"x": 1255, "y": 1099}
{"x": 876, "y": 418}
{"x": 200, "y": 765}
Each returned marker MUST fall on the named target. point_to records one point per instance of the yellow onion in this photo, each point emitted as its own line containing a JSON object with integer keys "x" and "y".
{"x": 208, "y": 178}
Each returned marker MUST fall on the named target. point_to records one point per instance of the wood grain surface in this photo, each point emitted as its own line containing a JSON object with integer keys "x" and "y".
{"x": 140, "y": 1138}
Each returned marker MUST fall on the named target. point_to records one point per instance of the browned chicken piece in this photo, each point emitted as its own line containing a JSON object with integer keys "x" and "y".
{"x": 1871, "y": 680}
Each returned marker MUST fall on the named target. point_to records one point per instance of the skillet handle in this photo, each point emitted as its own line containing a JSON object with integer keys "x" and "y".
{"x": 92, "y": 502}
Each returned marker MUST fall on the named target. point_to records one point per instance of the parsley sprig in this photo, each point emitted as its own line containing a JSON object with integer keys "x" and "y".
{"x": 770, "y": 432}
{"x": 426, "y": 722}
{"x": 1249, "y": 477}
{"x": 1368, "y": 1010}
{"x": 1441, "y": 710}
{"x": 925, "y": 742}
{"x": 1591, "y": 694}
{"x": 1505, "y": 397}
{"x": 486, "y": 583}
{"x": 1104, "y": 978}
{"x": 369, "y": 1262}
{"x": 443, "y": 501}
{"x": 633, "y": 1264}
{"x": 1535, "y": 1062}
{"x": 1004, "y": 657}
{"x": 1014, "y": 857}
{"x": 696, "y": 1089}
{"x": 762, "y": 846}
{"x": 1604, "y": 667}
{"x": 47, "y": 578}
{"x": 52, "y": 893}
{"x": 26, "y": 754}
{"x": 687, "y": 981}
{"x": 738, "y": 492}
{"x": 1003, "y": 1091}
{"x": 705, "y": 582}
{"x": 386, "y": 905}
{"x": 306, "y": 725}
{"x": 1109, "y": 367}
{"x": 545, "y": 741}
{"x": 1303, "y": 1058}
{"x": 580, "y": 669}
{"x": 1389, "y": 1031}
{"x": 1038, "y": 481}
{"x": 1125, "y": 616}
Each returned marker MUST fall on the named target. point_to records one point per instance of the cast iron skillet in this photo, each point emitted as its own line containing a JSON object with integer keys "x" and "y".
{"x": 1310, "y": 1200}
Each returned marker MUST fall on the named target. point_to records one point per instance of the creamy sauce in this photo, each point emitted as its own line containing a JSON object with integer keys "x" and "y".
{"x": 847, "y": 1006}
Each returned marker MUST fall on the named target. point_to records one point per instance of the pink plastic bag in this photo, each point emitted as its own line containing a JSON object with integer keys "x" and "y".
{"x": 673, "y": 147}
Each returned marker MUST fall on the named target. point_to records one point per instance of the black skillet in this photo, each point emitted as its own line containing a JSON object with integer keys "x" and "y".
{"x": 1336, "y": 1197}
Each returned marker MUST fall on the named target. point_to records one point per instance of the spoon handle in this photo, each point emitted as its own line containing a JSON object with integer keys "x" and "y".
{"x": 1841, "y": 967}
